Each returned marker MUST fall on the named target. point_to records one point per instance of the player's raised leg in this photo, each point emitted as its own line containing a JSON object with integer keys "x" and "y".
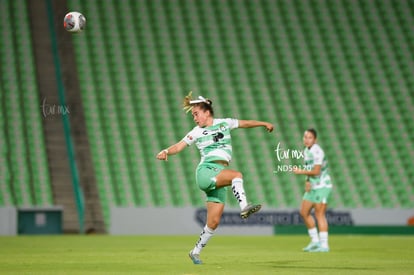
{"x": 234, "y": 178}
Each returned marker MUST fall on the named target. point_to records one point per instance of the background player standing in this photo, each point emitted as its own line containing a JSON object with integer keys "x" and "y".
{"x": 318, "y": 189}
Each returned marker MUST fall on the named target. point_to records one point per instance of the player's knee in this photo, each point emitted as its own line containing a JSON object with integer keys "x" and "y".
{"x": 237, "y": 174}
{"x": 213, "y": 223}
{"x": 319, "y": 214}
{"x": 303, "y": 213}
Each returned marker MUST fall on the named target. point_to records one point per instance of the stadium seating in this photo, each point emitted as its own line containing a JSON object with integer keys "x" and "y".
{"x": 24, "y": 175}
{"x": 341, "y": 67}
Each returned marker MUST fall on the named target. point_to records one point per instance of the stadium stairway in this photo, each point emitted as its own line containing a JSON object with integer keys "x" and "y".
{"x": 60, "y": 175}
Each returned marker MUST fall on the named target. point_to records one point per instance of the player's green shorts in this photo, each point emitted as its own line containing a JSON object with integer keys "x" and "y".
{"x": 205, "y": 174}
{"x": 318, "y": 195}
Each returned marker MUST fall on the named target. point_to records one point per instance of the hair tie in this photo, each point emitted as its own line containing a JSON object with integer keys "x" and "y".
{"x": 199, "y": 100}
{"x": 188, "y": 102}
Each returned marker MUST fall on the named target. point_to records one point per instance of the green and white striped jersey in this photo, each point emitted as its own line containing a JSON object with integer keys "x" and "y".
{"x": 213, "y": 142}
{"x": 316, "y": 156}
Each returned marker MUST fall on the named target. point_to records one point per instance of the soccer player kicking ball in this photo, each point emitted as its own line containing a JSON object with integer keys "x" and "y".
{"x": 212, "y": 138}
{"x": 318, "y": 188}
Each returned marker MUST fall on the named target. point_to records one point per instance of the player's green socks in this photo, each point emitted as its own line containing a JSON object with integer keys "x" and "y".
{"x": 238, "y": 191}
{"x": 205, "y": 235}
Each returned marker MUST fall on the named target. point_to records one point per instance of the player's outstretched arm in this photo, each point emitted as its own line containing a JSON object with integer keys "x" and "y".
{"x": 255, "y": 123}
{"x": 316, "y": 171}
{"x": 172, "y": 150}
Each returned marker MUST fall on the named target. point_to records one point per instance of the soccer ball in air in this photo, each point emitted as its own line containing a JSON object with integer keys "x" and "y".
{"x": 74, "y": 21}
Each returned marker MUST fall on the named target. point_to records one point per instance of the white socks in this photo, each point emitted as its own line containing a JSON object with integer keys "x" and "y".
{"x": 205, "y": 235}
{"x": 323, "y": 237}
{"x": 313, "y": 234}
{"x": 238, "y": 191}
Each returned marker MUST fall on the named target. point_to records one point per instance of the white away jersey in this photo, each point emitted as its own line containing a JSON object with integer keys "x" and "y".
{"x": 213, "y": 142}
{"x": 316, "y": 156}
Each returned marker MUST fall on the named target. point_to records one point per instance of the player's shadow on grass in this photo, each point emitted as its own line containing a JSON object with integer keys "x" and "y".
{"x": 311, "y": 266}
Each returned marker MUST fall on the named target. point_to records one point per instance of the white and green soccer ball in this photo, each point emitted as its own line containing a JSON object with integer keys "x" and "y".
{"x": 74, "y": 21}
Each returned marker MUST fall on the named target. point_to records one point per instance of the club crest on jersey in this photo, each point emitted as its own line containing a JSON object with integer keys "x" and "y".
{"x": 217, "y": 136}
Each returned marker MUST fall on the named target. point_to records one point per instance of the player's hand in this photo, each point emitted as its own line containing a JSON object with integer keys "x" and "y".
{"x": 296, "y": 170}
{"x": 269, "y": 127}
{"x": 163, "y": 155}
{"x": 307, "y": 186}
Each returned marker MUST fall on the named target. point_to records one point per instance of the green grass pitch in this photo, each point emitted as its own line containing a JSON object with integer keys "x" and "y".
{"x": 97, "y": 254}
